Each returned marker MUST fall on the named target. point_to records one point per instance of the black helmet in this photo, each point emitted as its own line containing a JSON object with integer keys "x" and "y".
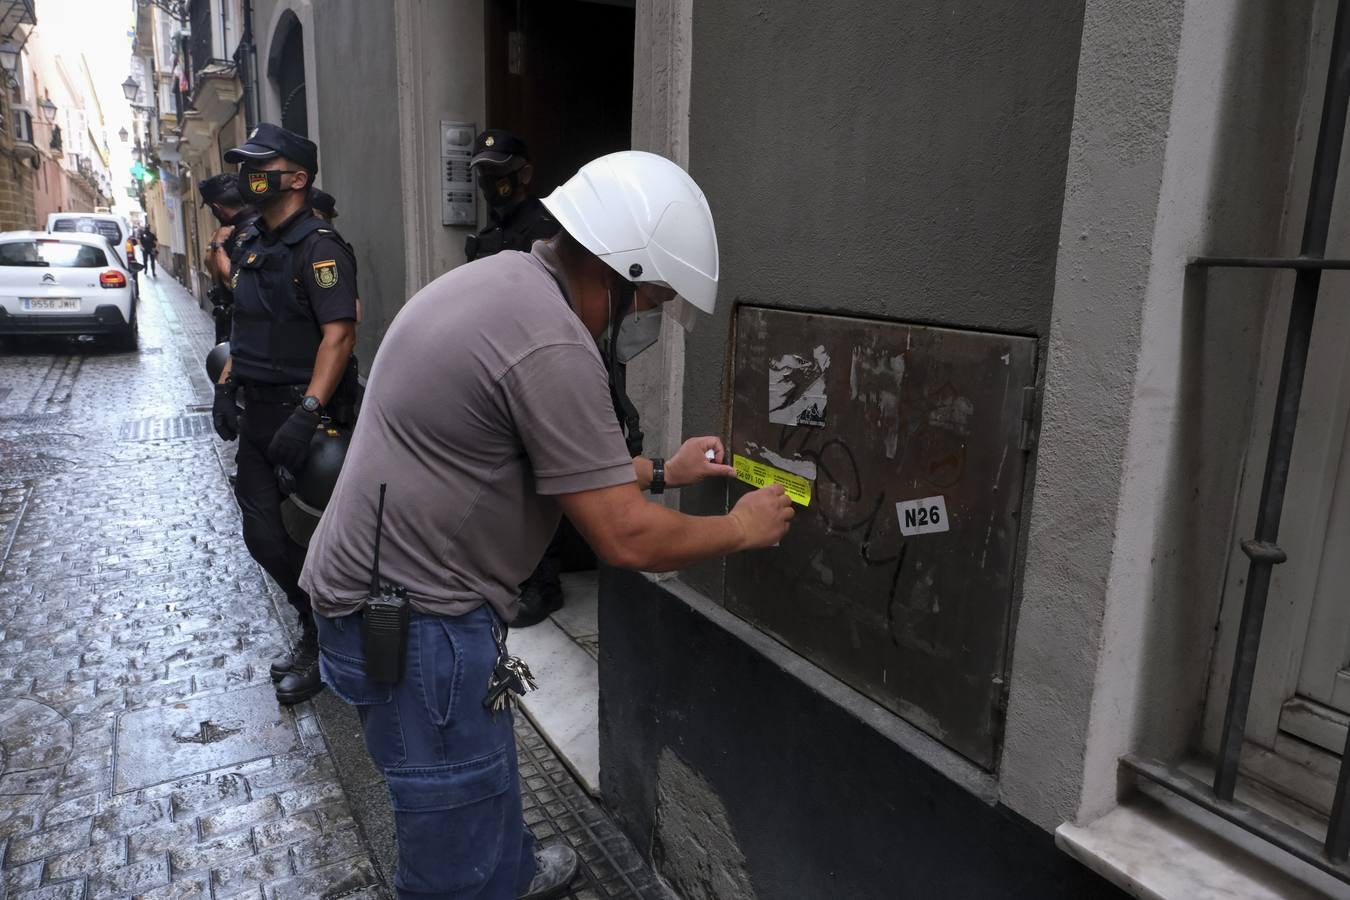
{"x": 216, "y": 359}
{"x": 310, "y": 491}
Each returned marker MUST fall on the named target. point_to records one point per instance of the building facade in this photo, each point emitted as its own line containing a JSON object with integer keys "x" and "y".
{"x": 54, "y": 154}
{"x": 1038, "y": 428}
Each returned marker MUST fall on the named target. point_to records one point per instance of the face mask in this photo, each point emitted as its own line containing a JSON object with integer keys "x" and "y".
{"x": 499, "y": 190}
{"x": 263, "y": 187}
{"x": 637, "y": 332}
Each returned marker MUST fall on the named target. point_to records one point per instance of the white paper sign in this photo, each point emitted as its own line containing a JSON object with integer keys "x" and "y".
{"x": 926, "y": 516}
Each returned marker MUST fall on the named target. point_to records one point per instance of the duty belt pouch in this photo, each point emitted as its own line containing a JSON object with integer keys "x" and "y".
{"x": 384, "y": 622}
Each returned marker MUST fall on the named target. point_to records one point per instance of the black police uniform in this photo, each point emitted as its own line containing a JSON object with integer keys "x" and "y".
{"x": 286, "y": 283}
{"x": 526, "y": 223}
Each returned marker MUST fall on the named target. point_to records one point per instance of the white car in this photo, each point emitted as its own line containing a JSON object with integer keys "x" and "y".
{"x": 66, "y": 284}
{"x": 112, "y": 226}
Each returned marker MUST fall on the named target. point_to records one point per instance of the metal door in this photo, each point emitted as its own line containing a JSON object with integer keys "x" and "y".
{"x": 898, "y": 578}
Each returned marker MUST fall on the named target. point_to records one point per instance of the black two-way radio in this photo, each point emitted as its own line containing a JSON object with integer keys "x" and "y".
{"x": 384, "y": 627}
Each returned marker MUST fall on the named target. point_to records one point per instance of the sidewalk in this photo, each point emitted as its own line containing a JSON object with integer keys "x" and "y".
{"x": 141, "y": 750}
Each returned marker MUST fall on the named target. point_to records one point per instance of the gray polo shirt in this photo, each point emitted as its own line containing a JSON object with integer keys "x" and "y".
{"x": 487, "y": 399}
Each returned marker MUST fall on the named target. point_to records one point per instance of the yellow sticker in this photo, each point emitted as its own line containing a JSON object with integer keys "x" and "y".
{"x": 758, "y": 474}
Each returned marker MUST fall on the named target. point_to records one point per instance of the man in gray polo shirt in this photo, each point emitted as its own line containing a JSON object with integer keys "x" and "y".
{"x": 487, "y": 415}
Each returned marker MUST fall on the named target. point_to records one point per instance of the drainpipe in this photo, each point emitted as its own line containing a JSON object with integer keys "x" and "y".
{"x": 247, "y": 61}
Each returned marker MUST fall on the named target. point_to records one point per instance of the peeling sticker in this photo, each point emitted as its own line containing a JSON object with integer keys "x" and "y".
{"x": 925, "y": 516}
{"x": 797, "y": 389}
{"x": 797, "y": 466}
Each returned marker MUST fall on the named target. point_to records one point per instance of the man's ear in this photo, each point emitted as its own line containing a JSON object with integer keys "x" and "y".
{"x": 301, "y": 180}
{"x": 526, "y": 173}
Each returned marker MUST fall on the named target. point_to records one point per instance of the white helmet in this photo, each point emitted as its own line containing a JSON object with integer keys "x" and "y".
{"x": 646, "y": 218}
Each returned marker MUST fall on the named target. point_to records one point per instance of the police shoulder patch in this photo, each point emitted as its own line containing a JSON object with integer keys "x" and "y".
{"x": 325, "y": 273}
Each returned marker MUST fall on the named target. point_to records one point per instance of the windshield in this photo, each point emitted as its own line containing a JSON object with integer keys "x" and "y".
{"x": 61, "y": 254}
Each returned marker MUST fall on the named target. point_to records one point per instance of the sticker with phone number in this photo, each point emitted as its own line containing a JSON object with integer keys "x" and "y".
{"x": 758, "y": 474}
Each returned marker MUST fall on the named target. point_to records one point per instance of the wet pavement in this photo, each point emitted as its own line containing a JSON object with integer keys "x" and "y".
{"x": 142, "y": 752}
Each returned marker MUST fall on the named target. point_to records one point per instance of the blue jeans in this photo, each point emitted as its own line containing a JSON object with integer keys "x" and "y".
{"x": 450, "y": 764}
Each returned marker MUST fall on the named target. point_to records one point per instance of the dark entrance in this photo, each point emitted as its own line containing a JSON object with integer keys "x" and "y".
{"x": 560, "y": 74}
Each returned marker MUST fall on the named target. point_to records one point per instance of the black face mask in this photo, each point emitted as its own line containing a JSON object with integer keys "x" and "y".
{"x": 499, "y": 190}
{"x": 262, "y": 188}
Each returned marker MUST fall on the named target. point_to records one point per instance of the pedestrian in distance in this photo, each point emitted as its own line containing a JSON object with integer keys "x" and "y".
{"x": 294, "y": 326}
{"x": 488, "y": 414}
{"x": 149, "y": 247}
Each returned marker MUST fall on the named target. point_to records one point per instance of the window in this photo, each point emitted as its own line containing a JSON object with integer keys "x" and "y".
{"x": 89, "y": 225}
{"x": 61, "y": 254}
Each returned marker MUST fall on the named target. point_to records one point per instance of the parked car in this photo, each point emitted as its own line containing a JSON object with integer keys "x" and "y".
{"x": 112, "y": 226}
{"x": 66, "y": 284}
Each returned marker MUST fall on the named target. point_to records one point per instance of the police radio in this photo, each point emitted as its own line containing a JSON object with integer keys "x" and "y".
{"x": 384, "y": 624}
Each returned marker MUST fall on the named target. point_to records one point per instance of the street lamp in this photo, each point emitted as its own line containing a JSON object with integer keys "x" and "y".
{"x": 131, "y": 87}
{"x": 9, "y": 57}
{"x": 122, "y": 133}
{"x": 48, "y": 110}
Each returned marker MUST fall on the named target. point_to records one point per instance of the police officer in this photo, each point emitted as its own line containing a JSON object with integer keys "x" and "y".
{"x": 324, "y": 204}
{"x": 516, "y": 218}
{"x": 294, "y": 284}
{"x": 501, "y": 163}
{"x": 221, "y": 194}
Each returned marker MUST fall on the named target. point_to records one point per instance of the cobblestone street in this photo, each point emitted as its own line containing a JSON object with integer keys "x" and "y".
{"x": 142, "y": 752}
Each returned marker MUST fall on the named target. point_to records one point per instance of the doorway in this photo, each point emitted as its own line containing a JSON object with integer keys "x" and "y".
{"x": 560, "y": 75}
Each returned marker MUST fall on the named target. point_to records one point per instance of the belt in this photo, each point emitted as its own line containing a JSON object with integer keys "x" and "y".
{"x": 274, "y": 393}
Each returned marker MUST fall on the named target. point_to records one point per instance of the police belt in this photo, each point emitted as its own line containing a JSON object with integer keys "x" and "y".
{"x": 274, "y": 393}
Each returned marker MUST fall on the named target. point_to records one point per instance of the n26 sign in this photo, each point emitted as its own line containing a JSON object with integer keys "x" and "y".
{"x": 925, "y": 516}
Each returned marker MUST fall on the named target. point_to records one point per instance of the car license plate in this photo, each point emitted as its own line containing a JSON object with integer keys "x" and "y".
{"x": 51, "y": 304}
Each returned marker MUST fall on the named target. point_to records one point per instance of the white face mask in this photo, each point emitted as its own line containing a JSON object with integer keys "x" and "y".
{"x": 638, "y": 331}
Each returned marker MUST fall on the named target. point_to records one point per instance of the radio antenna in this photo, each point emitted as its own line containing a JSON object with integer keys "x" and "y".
{"x": 375, "y": 565}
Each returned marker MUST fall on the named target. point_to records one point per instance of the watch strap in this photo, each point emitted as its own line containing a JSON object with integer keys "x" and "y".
{"x": 658, "y": 485}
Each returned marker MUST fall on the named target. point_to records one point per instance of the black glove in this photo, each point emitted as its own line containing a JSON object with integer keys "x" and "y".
{"x": 224, "y": 412}
{"x": 290, "y": 445}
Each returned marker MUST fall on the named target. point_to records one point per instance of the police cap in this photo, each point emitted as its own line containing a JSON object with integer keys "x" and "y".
{"x": 222, "y": 188}
{"x": 498, "y": 148}
{"x": 324, "y": 202}
{"x": 268, "y": 141}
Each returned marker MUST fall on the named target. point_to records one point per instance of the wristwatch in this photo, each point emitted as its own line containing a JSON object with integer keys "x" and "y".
{"x": 311, "y": 404}
{"x": 214, "y": 245}
{"x": 658, "y": 485}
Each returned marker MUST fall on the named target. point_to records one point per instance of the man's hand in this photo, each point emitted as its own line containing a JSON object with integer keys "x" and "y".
{"x": 224, "y": 412}
{"x": 690, "y": 464}
{"x": 290, "y": 445}
{"x": 217, "y": 261}
{"x": 763, "y": 516}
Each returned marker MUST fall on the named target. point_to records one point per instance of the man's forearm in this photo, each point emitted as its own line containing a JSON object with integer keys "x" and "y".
{"x": 329, "y": 365}
{"x": 642, "y": 468}
{"x": 664, "y": 540}
{"x": 629, "y": 531}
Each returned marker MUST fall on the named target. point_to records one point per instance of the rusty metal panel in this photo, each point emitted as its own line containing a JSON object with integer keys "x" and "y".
{"x": 898, "y": 578}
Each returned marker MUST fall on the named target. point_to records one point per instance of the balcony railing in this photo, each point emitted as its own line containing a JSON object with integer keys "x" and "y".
{"x": 1263, "y": 551}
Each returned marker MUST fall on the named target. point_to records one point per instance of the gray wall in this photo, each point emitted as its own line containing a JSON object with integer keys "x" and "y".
{"x": 879, "y": 159}
{"x": 1184, "y": 132}
{"x": 358, "y": 139}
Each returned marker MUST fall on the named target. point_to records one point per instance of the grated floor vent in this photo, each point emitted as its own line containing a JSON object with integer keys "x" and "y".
{"x": 168, "y": 428}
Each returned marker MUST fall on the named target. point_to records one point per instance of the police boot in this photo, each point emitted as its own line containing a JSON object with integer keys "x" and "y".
{"x": 281, "y": 666}
{"x": 540, "y": 597}
{"x": 302, "y": 681}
